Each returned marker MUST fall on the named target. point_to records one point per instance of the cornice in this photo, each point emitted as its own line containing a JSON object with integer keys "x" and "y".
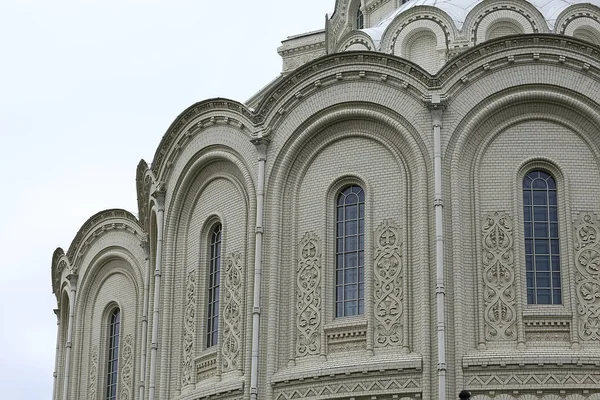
{"x": 576, "y": 11}
{"x": 175, "y": 138}
{"x": 96, "y": 226}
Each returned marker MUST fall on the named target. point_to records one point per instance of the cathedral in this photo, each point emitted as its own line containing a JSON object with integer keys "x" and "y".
{"x": 409, "y": 210}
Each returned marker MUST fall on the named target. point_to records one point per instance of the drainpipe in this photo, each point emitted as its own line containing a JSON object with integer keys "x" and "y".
{"x": 145, "y": 245}
{"x": 72, "y": 277}
{"x": 436, "y": 107}
{"x": 55, "y": 374}
{"x": 261, "y": 147}
{"x": 159, "y": 196}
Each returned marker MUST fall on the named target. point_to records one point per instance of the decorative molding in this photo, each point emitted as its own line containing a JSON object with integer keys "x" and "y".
{"x": 587, "y": 260}
{"x": 388, "y": 291}
{"x": 126, "y": 369}
{"x": 206, "y": 366}
{"x": 366, "y": 387}
{"x": 530, "y": 380}
{"x": 498, "y": 277}
{"x": 189, "y": 335}
{"x": 93, "y": 383}
{"x": 232, "y": 312}
{"x": 308, "y": 303}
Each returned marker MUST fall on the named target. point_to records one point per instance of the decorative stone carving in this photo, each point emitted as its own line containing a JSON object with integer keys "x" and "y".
{"x": 587, "y": 260}
{"x": 189, "y": 330}
{"x": 126, "y": 369}
{"x": 232, "y": 312}
{"x": 93, "y": 383}
{"x": 308, "y": 305}
{"x": 497, "y": 244}
{"x": 388, "y": 292}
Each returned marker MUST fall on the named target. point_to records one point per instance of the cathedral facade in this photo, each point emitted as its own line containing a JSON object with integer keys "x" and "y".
{"x": 409, "y": 210}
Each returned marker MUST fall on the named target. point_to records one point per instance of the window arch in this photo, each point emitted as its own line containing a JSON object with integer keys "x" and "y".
{"x": 214, "y": 278}
{"x": 112, "y": 371}
{"x": 349, "y": 266}
{"x": 542, "y": 249}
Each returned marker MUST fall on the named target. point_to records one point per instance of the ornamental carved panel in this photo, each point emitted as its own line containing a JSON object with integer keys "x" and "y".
{"x": 388, "y": 290}
{"x": 93, "y": 375}
{"x": 127, "y": 369}
{"x": 308, "y": 299}
{"x": 497, "y": 260}
{"x": 189, "y": 330}
{"x": 232, "y": 312}
{"x": 587, "y": 276}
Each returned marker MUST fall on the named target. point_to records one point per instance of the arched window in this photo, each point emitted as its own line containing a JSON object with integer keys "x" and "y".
{"x": 214, "y": 276}
{"x": 350, "y": 255}
{"x": 360, "y": 19}
{"x": 542, "y": 254}
{"x": 114, "y": 326}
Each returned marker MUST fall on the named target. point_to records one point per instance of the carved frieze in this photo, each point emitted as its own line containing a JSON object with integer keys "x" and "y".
{"x": 232, "y": 312}
{"x": 587, "y": 261}
{"x": 189, "y": 331}
{"x": 126, "y": 369}
{"x": 388, "y": 291}
{"x": 93, "y": 380}
{"x": 498, "y": 277}
{"x": 308, "y": 304}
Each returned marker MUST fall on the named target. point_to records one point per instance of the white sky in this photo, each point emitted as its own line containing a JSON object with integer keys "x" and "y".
{"x": 87, "y": 89}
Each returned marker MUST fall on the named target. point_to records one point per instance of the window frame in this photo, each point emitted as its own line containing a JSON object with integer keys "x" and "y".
{"x": 360, "y": 311}
{"x": 213, "y": 284}
{"x": 112, "y": 359}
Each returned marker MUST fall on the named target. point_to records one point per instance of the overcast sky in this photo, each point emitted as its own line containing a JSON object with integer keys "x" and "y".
{"x": 87, "y": 89}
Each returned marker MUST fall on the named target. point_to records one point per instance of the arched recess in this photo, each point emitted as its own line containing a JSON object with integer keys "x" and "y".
{"x": 514, "y": 14}
{"x": 113, "y": 279}
{"x": 423, "y": 41}
{"x": 215, "y": 185}
{"x": 349, "y": 144}
{"x": 486, "y": 194}
{"x": 584, "y": 28}
{"x": 357, "y": 41}
{"x": 65, "y": 307}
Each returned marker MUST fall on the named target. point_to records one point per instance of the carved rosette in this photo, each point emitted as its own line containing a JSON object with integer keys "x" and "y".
{"x": 126, "y": 369}
{"x": 232, "y": 312}
{"x": 587, "y": 260}
{"x": 93, "y": 375}
{"x": 497, "y": 244}
{"x": 189, "y": 331}
{"x": 388, "y": 292}
{"x": 308, "y": 304}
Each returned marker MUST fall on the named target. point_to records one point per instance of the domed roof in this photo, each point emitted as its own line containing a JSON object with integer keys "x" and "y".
{"x": 458, "y": 9}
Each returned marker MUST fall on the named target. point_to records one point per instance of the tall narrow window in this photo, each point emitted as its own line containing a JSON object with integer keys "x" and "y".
{"x": 350, "y": 255}
{"x": 214, "y": 275}
{"x": 542, "y": 254}
{"x": 360, "y": 19}
{"x": 114, "y": 327}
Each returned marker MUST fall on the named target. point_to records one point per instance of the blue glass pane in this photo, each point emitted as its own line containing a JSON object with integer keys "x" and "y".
{"x": 553, "y": 211}
{"x": 542, "y": 246}
{"x": 531, "y": 296}
{"x": 526, "y": 182}
{"x": 351, "y": 260}
{"x": 543, "y": 175}
{"x": 361, "y": 225}
{"x": 552, "y": 198}
{"x": 529, "y": 263}
{"x": 555, "y": 263}
{"x": 361, "y": 241}
{"x": 540, "y": 213}
{"x": 351, "y": 243}
{"x": 361, "y": 278}
{"x": 554, "y": 246}
{"x": 361, "y": 211}
{"x": 527, "y": 198}
{"x": 528, "y": 229}
{"x": 340, "y": 229}
{"x": 351, "y": 212}
{"x": 350, "y": 276}
{"x": 527, "y": 216}
{"x": 351, "y": 199}
{"x": 340, "y": 245}
{"x": 542, "y": 263}
{"x": 556, "y": 280}
{"x": 339, "y": 277}
{"x": 530, "y": 280}
{"x": 539, "y": 184}
{"x": 540, "y": 197}
{"x": 541, "y": 229}
{"x": 351, "y": 227}
{"x": 361, "y": 196}
{"x": 553, "y": 229}
{"x": 340, "y": 213}
{"x": 528, "y": 246}
{"x": 339, "y": 309}
{"x": 551, "y": 182}
{"x": 557, "y": 298}
{"x": 350, "y": 292}
{"x": 340, "y": 292}
{"x": 361, "y": 258}
{"x": 544, "y": 296}
{"x": 542, "y": 280}
{"x": 350, "y": 308}
{"x": 361, "y": 306}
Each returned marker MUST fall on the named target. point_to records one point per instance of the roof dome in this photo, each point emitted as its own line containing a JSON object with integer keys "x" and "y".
{"x": 458, "y": 9}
